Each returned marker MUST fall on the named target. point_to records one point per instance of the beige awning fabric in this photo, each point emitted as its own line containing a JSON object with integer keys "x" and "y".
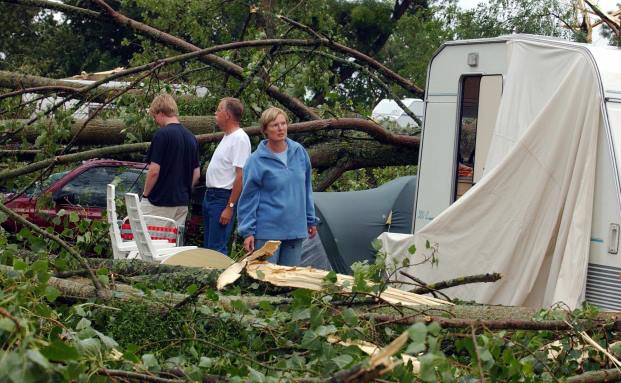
{"x": 308, "y": 278}
{"x": 529, "y": 218}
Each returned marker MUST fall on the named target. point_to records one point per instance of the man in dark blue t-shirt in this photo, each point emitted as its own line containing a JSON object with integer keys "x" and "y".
{"x": 173, "y": 164}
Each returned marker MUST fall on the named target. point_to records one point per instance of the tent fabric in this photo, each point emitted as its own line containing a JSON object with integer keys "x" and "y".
{"x": 529, "y": 218}
{"x": 314, "y": 255}
{"x": 351, "y": 221}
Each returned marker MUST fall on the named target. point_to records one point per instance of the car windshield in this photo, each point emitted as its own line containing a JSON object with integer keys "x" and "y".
{"x": 38, "y": 187}
{"x": 89, "y": 187}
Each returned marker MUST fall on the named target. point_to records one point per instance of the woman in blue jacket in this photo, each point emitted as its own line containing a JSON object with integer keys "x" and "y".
{"x": 277, "y": 198}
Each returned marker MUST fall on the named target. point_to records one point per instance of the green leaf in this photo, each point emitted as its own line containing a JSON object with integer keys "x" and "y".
{"x": 377, "y": 244}
{"x": 89, "y": 346}
{"x": 51, "y": 293}
{"x": 150, "y": 362}
{"x": 412, "y": 249}
{"x": 191, "y": 289}
{"x": 60, "y": 352}
{"x": 7, "y": 325}
{"x": 18, "y": 264}
{"x": 260, "y": 275}
{"x": 330, "y": 277}
{"x": 342, "y": 360}
{"x": 206, "y": 362}
{"x": 82, "y": 324}
{"x": 38, "y": 358}
{"x": 308, "y": 337}
{"x": 302, "y": 314}
{"x": 212, "y": 295}
{"x": 350, "y": 317}
{"x": 39, "y": 266}
{"x": 239, "y": 305}
{"x": 106, "y": 340}
{"x": 256, "y": 376}
{"x": 301, "y": 298}
{"x": 74, "y": 217}
{"x": 418, "y": 332}
{"x": 325, "y": 330}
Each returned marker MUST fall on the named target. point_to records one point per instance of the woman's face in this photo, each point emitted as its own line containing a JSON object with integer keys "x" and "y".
{"x": 276, "y": 130}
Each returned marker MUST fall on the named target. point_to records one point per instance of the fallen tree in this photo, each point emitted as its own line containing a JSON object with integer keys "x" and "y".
{"x": 113, "y": 131}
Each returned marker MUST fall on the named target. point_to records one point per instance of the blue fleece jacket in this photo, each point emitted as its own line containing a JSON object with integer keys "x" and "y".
{"x": 277, "y": 199}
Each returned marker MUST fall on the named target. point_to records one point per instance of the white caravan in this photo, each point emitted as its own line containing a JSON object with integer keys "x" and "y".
{"x": 519, "y": 171}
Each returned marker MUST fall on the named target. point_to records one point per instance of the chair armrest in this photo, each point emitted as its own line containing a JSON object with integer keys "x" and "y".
{"x": 160, "y": 218}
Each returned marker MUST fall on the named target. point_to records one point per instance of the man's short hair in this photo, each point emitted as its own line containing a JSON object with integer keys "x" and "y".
{"x": 164, "y": 103}
{"x": 234, "y": 106}
{"x": 269, "y": 115}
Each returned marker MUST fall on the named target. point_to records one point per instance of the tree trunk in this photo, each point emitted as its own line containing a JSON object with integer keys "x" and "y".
{"x": 20, "y": 81}
{"x": 113, "y": 131}
{"x": 367, "y": 156}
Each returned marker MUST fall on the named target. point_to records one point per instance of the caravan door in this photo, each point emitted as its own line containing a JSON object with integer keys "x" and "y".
{"x": 457, "y": 136}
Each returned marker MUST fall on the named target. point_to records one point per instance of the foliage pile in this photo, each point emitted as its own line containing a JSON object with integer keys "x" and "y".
{"x": 54, "y": 326}
{"x": 253, "y": 332}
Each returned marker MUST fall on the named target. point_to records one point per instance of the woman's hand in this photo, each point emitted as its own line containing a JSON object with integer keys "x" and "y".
{"x": 249, "y": 244}
{"x": 312, "y": 231}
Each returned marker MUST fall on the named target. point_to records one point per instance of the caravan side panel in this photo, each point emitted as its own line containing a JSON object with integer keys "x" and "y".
{"x": 603, "y": 285}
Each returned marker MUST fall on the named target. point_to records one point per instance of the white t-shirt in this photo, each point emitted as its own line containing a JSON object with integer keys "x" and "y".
{"x": 232, "y": 152}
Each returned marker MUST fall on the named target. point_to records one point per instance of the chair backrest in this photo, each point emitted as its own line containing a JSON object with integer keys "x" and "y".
{"x": 115, "y": 232}
{"x": 139, "y": 227}
{"x": 168, "y": 233}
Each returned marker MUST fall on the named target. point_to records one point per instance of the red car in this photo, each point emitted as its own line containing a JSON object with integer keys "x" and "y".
{"x": 83, "y": 190}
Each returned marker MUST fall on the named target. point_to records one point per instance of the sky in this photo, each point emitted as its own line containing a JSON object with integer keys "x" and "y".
{"x": 605, "y": 5}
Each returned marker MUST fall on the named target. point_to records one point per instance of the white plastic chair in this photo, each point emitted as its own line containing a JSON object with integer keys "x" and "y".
{"x": 146, "y": 248}
{"x": 124, "y": 249}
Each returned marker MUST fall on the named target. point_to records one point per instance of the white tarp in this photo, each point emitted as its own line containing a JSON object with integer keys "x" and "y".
{"x": 529, "y": 217}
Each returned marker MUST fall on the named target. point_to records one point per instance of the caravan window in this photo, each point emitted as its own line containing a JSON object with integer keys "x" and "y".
{"x": 480, "y": 99}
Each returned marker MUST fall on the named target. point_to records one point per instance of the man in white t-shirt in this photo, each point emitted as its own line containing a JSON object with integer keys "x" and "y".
{"x": 224, "y": 176}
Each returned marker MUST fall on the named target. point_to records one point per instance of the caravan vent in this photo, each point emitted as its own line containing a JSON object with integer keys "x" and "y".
{"x": 603, "y": 287}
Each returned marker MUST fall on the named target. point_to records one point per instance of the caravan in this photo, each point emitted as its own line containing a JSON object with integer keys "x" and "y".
{"x": 519, "y": 172}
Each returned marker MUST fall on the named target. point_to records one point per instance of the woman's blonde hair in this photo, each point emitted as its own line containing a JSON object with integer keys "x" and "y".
{"x": 269, "y": 115}
{"x": 164, "y": 103}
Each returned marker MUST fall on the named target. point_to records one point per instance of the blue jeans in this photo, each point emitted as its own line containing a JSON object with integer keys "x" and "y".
{"x": 216, "y": 236}
{"x": 288, "y": 254}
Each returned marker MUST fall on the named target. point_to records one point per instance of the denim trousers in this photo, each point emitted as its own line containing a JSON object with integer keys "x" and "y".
{"x": 216, "y": 236}
{"x": 288, "y": 254}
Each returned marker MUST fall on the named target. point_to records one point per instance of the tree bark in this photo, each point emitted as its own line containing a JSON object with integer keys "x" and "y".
{"x": 14, "y": 80}
{"x": 602, "y": 376}
{"x": 80, "y": 289}
{"x": 114, "y": 131}
{"x": 368, "y": 158}
{"x": 504, "y": 324}
{"x": 360, "y": 154}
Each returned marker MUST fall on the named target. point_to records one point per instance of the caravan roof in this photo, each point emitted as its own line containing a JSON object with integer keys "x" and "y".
{"x": 606, "y": 58}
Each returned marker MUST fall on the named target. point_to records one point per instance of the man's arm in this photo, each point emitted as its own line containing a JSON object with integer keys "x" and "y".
{"x": 195, "y": 176}
{"x": 227, "y": 213}
{"x": 152, "y": 176}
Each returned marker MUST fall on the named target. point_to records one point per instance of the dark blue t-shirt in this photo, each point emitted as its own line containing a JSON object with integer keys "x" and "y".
{"x": 175, "y": 149}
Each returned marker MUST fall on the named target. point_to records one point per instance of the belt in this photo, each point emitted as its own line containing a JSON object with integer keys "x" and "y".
{"x": 217, "y": 189}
